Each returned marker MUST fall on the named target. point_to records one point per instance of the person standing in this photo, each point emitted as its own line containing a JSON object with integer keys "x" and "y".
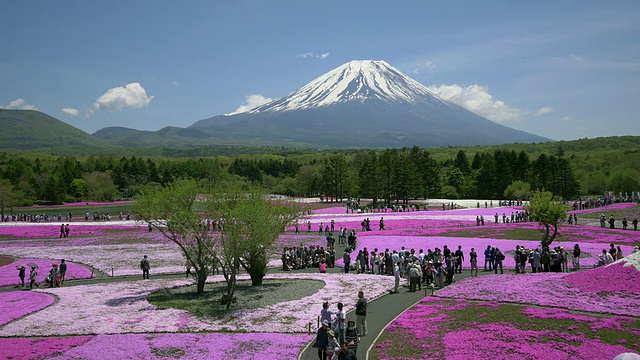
{"x": 63, "y": 270}
{"x": 22, "y": 272}
{"x": 346, "y": 258}
{"x": 361, "y": 314}
{"x": 322, "y": 340}
{"x": 32, "y": 278}
{"x": 459, "y": 259}
{"x": 498, "y": 257}
{"x": 487, "y": 258}
{"x": 61, "y": 230}
{"x": 341, "y": 318}
{"x": 473, "y": 257}
{"x": 144, "y": 266}
{"x": 351, "y": 336}
{"x": 396, "y": 275}
{"x": 576, "y": 257}
{"x": 67, "y": 230}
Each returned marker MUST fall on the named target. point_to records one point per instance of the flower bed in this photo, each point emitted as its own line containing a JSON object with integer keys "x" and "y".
{"x": 457, "y": 329}
{"x": 39, "y": 348}
{"x": 544, "y": 289}
{"x": 215, "y": 346}
{"x": 123, "y": 307}
{"x": 480, "y": 244}
{"x": 9, "y": 273}
{"x": 52, "y": 229}
{"x": 124, "y": 259}
{"x": 17, "y": 304}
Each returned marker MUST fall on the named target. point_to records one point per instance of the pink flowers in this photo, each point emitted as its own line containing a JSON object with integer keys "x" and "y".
{"x": 457, "y": 329}
{"x": 9, "y": 274}
{"x": 613, "y": 278}
{"x": 17, "y": 304}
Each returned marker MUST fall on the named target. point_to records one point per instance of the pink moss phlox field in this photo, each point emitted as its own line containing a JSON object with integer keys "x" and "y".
{"x": 544, "y": 289}
{"x": 38, "y": 348}
{"x": 16, "y": 304}
{"x": 9, "y": 273}
{"x": 618, "y": 206}
{"x": 393, "y": 242}
{"x": 52, "y": 230}
{"x": 114, "y": 308}
{"x": 240, "y": 346}
{"x": 505, "y": 341}
{"x": 124, "y": 259}
{"x": 613, "y": 278}
{"x": 498, "y": 340}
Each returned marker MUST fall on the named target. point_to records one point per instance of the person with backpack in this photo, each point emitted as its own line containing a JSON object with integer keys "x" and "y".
{"x": 498, "y": 256}
{"x": 144, "y": 266}
{"x": 576, "y": 257}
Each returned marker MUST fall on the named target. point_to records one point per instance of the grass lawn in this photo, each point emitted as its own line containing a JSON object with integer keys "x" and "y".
{"x": 207, "y": 304}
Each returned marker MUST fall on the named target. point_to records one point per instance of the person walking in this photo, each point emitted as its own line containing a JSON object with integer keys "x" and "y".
{"x": 32, "y": 277}
{"x": 22, "y": 272}
{"x": 322, "y": 340}
{"x": 144, "y": 266}
{"x": 63, "y": 270}
{"x": 361, "y": 314}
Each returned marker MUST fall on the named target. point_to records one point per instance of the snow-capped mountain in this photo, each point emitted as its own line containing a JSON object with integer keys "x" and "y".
{"x": 358, "y": 80}
{"x": 363, "y": 103}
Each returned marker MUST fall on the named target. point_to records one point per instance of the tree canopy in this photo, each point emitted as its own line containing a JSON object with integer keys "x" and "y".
{"x": 548, "y": 210}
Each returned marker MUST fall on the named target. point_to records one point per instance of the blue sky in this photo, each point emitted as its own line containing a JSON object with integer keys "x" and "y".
{"x": 560, "y": 69}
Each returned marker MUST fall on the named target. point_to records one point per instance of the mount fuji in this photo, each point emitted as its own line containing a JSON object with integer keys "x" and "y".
{"x": 363, "y": 103}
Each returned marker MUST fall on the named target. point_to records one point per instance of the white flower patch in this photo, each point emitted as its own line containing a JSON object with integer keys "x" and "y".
{"x": 123, "y": 308}
{"x": 123, "y": 259}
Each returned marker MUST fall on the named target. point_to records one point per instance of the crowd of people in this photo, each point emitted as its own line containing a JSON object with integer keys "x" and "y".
{"x": 339, "y": 337}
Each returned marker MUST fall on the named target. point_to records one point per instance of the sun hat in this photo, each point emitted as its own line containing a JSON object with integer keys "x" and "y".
{"x": 325, "y": 323}
{"x": 330, "y": 333}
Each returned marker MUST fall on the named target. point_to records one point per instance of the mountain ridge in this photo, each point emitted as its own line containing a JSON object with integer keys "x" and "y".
{"x": 364, "y": 99}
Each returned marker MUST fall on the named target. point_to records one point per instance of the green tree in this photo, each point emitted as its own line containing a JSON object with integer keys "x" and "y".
{"x": 8, "y": 196}
{"x": 100, "y": 186}
{"x": 174, "y": 211}
{"x": 548, "y": 210}
{"x": 518, "y": 190}
{"x": 78, "y": 188}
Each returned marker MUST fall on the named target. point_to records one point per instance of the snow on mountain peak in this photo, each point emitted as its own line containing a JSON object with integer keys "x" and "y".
{"x": 357, "y": 80}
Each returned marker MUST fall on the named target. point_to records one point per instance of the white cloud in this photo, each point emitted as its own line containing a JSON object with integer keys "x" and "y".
{"x": 250, "y": 102}
{"x": 131, "y": 95}
{"x": 426, "y": 65}
{"x": 70, "y": 111}
{"x": 566, "y": 118}
{"x": 477, "y": 99}
{"x": 19, "y": 104}
{"x": 543, "y": 110}
{"x": 312, "y": 55}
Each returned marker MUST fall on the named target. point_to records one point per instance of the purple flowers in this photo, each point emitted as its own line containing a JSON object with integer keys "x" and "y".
{"x": 9, "y": 274}
{"x": 17, "y": 304}
{"x": 434, "y": 329}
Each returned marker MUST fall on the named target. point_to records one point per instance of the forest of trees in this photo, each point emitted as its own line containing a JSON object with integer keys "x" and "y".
{"x": 386, "y": 176}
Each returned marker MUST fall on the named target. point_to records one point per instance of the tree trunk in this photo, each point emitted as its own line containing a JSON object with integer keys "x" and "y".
{"x": 256, "y": 276}
{"x": 201, "y": 276}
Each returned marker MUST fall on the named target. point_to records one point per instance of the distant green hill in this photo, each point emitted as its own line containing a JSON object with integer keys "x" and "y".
{"x": 176, "y": 137}
{"x": 35, "y": 131}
